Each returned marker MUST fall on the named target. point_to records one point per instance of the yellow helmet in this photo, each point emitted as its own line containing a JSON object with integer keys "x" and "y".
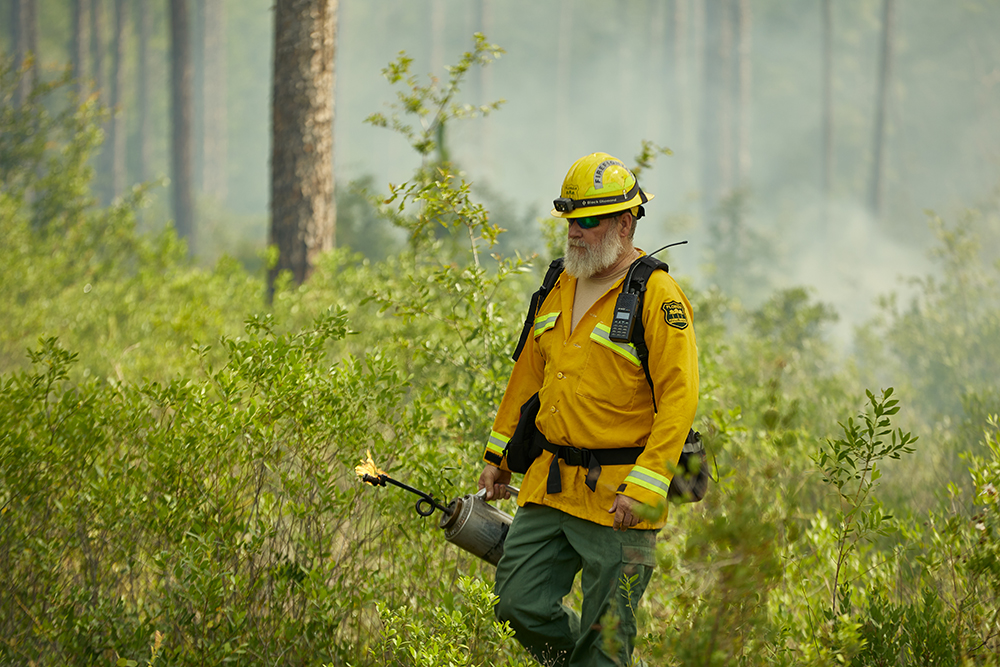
{"x": 598, "y": 184}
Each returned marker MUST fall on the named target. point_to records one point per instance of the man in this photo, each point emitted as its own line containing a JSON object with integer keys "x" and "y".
{"x": 593, "y": 394}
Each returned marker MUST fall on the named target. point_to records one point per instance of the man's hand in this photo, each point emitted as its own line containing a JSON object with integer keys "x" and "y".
{"x": 622, "y": 508}
{"x": 495, "y": 481}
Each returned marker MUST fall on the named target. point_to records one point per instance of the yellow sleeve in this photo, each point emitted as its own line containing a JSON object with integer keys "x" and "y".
{"x": 525, "y": 380}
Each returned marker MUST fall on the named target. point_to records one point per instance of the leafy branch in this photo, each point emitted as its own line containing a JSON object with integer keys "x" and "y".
{"x": 442, "y": 197}
{"x": 433, "y": 104}
{"x": 850, "y": 465}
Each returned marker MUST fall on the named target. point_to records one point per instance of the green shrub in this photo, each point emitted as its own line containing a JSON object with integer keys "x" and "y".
{"x": 918, "y": 633}
{"x": 464, "y": 634}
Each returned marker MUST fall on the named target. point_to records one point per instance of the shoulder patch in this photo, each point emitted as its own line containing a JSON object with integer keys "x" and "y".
{"x": 674, "y": 314}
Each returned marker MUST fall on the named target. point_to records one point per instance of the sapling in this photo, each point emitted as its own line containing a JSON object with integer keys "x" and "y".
{"x": 850, "y": 464}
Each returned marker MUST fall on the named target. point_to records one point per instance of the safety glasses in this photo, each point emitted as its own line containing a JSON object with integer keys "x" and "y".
{"x": 590, "y": 221}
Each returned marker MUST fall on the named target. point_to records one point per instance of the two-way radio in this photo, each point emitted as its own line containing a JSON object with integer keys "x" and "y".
{"x": 627, "y": 305}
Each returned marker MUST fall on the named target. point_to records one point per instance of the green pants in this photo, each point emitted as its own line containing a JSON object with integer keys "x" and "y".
{"x": 544, "y": 550}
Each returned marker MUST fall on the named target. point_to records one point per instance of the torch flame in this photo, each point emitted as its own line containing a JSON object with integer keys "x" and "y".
{"x": 368, "y": 468}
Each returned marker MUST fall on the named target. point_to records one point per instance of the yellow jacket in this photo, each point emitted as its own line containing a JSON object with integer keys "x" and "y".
{"x": 594, "y": 395}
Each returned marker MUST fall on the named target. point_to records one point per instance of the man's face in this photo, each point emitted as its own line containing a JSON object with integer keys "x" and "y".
{"x": 590, "y": 251}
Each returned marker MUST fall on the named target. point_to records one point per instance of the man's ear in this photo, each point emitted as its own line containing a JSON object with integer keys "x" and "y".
{"x": 625, "y": 225}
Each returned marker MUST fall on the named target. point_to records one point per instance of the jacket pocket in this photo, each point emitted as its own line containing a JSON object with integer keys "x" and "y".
{"x": 612, "y": 372}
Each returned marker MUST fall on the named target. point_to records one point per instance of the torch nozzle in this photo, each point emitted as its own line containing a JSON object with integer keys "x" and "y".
{"x": 375, "y": 480}
{"x": 372, "y": 475}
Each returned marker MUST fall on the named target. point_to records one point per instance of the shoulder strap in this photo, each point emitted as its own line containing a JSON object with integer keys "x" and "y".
{"x": 555, "y": 268}
{"x": 635, "y": 282}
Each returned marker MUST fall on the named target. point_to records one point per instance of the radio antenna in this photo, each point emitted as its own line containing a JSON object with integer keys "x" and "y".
{"x": 669, "y": 245}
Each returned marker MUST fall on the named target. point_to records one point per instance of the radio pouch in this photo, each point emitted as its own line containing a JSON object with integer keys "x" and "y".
{"x": 526, "y": 444}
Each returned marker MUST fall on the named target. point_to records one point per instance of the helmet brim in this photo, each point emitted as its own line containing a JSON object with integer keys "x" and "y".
{"x": 638, "y": 200}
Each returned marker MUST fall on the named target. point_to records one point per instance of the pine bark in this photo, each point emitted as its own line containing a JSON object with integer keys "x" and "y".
{"x": 487, "y": 152}
{"x": 877, "y": 195}
{"x": 303, "y": 216}
{"x": 727, "y": 97}
{"x": 144, "y": 27}
{"x": 744, "y": 99}
{"x": 80, "y": 46}
{"x": 682, "y": 96}
{"x": 215, "y": 144}
{"x": 182, "y": 113}
{"x": 117, "y": 136}
{"x": 826, "y": 19}
{"x": 659, "y": 119}
{"x": 564, "y": 73}
{"x": 97, "y": 49}
{"x": 713, "y": 94}
{"x": 24, "y": 38}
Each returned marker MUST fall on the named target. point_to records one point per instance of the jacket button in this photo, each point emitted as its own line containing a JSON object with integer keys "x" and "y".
{"x": 552, "y": 409}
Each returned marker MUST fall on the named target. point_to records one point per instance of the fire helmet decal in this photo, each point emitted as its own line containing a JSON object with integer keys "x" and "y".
{"x": 674, "y": 314}
{"x": 599, "y": 172}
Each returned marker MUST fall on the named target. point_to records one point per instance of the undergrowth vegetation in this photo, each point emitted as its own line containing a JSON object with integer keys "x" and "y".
{"x": 177, "y": 458}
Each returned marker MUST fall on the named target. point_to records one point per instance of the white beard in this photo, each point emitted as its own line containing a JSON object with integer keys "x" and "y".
{"x": 584, "y": 261}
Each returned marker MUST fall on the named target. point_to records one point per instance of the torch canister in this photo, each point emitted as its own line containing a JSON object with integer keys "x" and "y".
{"x": 476, "y": 526}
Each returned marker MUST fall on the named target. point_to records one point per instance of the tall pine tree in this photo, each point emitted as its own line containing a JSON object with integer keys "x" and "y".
{"x": 303, "y": 217}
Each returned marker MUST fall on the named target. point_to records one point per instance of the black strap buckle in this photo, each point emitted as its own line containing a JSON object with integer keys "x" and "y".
{"x": 575, "y": 457}
{"x": 583, "y": 458}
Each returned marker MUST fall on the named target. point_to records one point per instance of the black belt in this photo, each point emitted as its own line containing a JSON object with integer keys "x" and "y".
{"x": 591, "y": 459}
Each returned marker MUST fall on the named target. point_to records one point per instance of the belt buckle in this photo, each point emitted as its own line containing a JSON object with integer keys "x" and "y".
{"x": 576, "y": 457}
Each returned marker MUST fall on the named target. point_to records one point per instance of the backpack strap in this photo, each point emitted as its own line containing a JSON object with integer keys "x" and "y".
{"x": 555, "y": 269}
{"x": 635, "y": 282}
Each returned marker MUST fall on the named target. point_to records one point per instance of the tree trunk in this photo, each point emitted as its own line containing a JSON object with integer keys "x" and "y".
{"x": 24, "y": 40}
{"x": 659, "y": 119}
{"x": 303, "y": 217}
{"x": 144, "y": 26}
{"x": 117, "y": 138}
{"x": 214, "y": 144}
{"x": 31, "y": 28}
{"x": 712, "y": 96}
{"x": 197, "y": 37}
{"x": 81, "y": 44}
{"x": 97, "y": 48}
{"x": 877, "y": 196}
{"x": 474, "y": 80}
{"x": 564, "y": 72}
{"x": 727, "y": 96}
{"x": 486, "y": 77}
{"x": 182, "y": 112}
{"x": 744, "y": 104}
{"x": 826, "y": 169}
{"x": 103, "y": 158}
{"x": 681, "y": 97}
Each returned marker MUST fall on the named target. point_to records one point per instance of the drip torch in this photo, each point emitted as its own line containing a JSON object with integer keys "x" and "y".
{"x": 468, "y": 521}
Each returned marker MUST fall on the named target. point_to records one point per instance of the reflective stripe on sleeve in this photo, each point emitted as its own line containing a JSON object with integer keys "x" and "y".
{"x": 602, "y": 335}
{"x": 648, "y": 479}
{"x": 545, "y": 322}
{"x": 496, "y": 443}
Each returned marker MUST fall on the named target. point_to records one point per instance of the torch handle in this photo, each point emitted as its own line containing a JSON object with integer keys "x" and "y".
{"x": 426, "y": 505}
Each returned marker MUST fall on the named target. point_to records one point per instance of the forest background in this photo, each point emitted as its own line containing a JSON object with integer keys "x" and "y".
{"x": 177, "y": 453}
